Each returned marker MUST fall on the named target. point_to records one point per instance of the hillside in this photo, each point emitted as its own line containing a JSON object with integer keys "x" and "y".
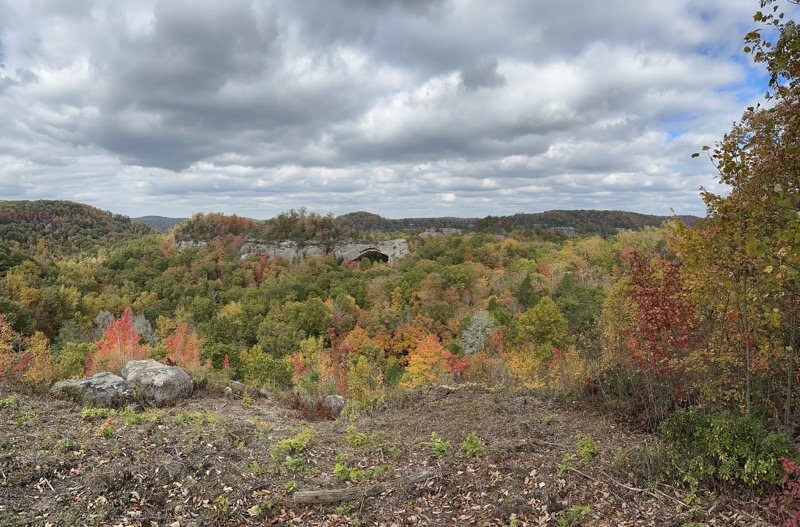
{"x": 161, "y": 224}
{"x": 63, "y": 227}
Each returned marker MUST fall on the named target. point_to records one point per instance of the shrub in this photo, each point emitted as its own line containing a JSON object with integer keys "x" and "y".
{"x": 788, "y": 503}
{"x": 489, "y": 369}
{"x": 723, "y": 448}
{"x": 261, "y": 369}
{"x": 71, "y": 362}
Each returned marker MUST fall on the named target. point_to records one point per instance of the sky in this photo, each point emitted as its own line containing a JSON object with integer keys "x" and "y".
{"x": 403, "y": 108}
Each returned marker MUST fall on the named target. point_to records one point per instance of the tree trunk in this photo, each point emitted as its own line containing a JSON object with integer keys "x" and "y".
{"x": 334, "y": 495}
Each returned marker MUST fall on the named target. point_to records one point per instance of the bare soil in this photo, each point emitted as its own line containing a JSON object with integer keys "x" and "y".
{"x": 211, "y": 460}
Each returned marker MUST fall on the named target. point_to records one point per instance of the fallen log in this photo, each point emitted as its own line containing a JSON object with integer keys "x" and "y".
{"x": 350, "y": 494}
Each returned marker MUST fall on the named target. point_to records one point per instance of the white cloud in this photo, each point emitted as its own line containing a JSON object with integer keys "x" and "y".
{"x": 400, "y": 108}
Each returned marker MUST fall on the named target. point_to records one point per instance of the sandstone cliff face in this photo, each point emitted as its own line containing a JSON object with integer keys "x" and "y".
{"x": 392, "y": 250}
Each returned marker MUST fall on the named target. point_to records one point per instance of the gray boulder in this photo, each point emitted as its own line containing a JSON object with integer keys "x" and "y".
{"x": 103, "y": 389}
{"x": 334, "y": 404}
{"x": 160, "y": 384}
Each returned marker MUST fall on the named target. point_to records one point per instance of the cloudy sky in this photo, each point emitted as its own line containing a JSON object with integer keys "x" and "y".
{"x": 398, "y": 107}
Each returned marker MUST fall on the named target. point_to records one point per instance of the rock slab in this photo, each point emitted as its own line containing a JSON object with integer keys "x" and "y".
{"x": 160, "y": 384}
{"x": 103, "y": 389}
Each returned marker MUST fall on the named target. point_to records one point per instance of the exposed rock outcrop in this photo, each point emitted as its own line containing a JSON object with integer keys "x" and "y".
{"x": 391, "y": 251}
{"x": 103, "y": 389}
{"x": 160, "y": 384}
{"x": 142, "y": 380}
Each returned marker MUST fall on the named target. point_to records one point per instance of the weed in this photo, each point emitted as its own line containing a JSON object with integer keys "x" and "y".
{"x": 293, "y": 445}
{"x": 291, "y": 487}
{"x": 247, "y": 402}
{"x": 565, "y": 465}
{"x": 572, "y": 516}
{"x": 356, "y": 439}
{"x": 66, "y": 444}
{"x": 345, "y": 508}
{"x": 357, "y": 475}
{"x": 129, "y": 417}
{"x": 550, "y": 419}
{"x": 96, "y": 414}
{"x": 294, "y": 464}
{"x": 439, "y": 446}
{"x": 106, "y": 430}
{"x": 472, "y": 446}
{"x": 255, "y": 468}
{"x": 9, "y": 402}
{"x": 587, "y": 447}
{"x": 26, "y": 417}
{"x": 222, "y": 506}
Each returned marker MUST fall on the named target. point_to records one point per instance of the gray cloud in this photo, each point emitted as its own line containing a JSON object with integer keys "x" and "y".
{"x": 421, "y": 107}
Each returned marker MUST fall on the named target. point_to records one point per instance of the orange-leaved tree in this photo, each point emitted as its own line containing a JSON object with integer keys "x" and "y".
{"x": 183, "y": 348}
{"x": 119, "y": 345}
{"x": 428, "y": 364}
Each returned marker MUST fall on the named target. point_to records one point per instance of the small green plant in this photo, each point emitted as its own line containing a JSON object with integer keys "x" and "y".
{"x": 256, "y": 468}
{"x": 293, "y": 445}
{"x": 9, "y": 402}
{"x": 587, "y": 447}
{"x": 66, "y": 444}
{"x": 294, "y": 464}
{"x": 96, "y": 414}
{"x": 439, "y": 446}
{"x": 129, "y": 417}
{"x": 291, "y": 487}
{"x": 572, "y": 516}
{"x": 565, "y": 465}
{"x": 26, "y": 416}
{"x": 472, "y": 446}
{"x": 247, "y": 402}
{"x": 376, "y": 440}
{"x": 106, "y": 430}
{"x": 355, "y": 474}
{"x": 550, "y": 419}
{"x": 345, "y": 508}
{"x": 222, "y": 506}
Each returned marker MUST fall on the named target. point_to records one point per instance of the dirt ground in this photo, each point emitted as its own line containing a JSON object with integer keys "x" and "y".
{"x": 214, "y": 460}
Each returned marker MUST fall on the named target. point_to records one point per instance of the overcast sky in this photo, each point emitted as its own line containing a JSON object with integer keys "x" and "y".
{"x": 402, "y": 108}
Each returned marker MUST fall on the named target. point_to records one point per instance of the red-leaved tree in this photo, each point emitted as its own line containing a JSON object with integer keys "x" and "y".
{"x": 119, "y": 345}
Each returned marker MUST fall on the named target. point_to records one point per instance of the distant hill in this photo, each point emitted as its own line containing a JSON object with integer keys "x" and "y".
{"x": 580, "y": 222}
{"x": 159, "y": 223}
{"x": 63, "y": 227}
{"x": 367, "y": 221}
{"x": 570, "y": 222}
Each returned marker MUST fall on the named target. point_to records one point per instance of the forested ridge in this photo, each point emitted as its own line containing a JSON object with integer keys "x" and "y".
{"x": 61, "y": 228}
